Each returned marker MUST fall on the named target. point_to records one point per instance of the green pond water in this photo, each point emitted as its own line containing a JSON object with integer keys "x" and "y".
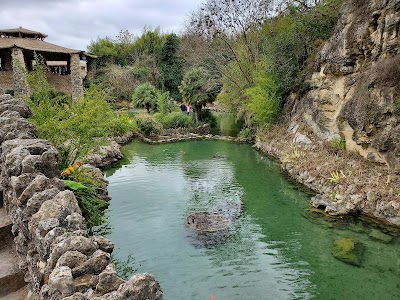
{"x": 277, "y": 249}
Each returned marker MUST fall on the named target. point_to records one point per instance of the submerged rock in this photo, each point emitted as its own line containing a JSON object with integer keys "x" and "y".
{"x": 348, "y": 250}
{"x": 209, "y": 228}
{"x": 380, "y": 236}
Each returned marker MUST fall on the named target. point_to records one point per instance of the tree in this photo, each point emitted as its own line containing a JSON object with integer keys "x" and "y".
{"x": 126, "y": 48}
{"x": 263, "y": 99}
{"x": 198, "y": 88}
{"x": 105, "y": 49}
{"x": 149, "y": 44}
{"x": 145, "y": 95}
{"x": 234, "y": 23}
{"x": 170, "y": 66}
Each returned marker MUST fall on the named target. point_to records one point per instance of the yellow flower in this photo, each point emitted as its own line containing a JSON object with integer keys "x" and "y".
{"x": 71, "y": 168}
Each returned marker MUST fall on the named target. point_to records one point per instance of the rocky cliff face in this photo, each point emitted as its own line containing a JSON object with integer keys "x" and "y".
{"x": 355, "y": 92}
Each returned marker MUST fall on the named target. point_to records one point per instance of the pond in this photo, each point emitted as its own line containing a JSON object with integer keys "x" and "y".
{"x": 276, "y": 248}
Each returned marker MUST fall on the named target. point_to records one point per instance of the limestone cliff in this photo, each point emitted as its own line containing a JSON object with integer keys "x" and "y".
{"x": 355, "y": 90}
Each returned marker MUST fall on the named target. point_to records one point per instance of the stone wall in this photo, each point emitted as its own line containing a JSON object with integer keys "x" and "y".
{"x": 60, "y": 260}
{"x": 18, "y": 63}
{"x": 76, "y": 77}
{"x": 6, "y": 80}
{"x": 355, "y": 92}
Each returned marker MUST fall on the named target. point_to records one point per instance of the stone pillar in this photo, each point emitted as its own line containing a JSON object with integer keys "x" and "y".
{"x": 21, "y": 87}
{"x": 76, "y": 77}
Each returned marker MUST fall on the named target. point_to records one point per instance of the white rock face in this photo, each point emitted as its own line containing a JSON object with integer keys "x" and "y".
{"x": 355, "y": 90}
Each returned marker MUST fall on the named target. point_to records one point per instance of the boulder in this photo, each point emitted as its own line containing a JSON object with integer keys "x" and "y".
{"x": 140, "y": 286}
{"x": 208, "y": 228}
{"x": 94, "y": 265}
{"x": 16, "y": 128}
{"x": 105, "y": 155}
{"x": 378, "y": 235}
{"x": 301, "y": 139}
{"x": 14, "y": 151}
{"x": 71, "y": 259}
{"x": 35, "y": 202}
{"x": 73, "y": 243}
{"x": 85, "y": 282}
{"x": 76, "y": 296}
{"x": 349, "y": 251}
{"x": 8, "y": 103}
{"x": 104, "y": 244}
{"x": 108, "y": 280}
{"x": 61, "y": 280}
{"x": 75, "y": 221}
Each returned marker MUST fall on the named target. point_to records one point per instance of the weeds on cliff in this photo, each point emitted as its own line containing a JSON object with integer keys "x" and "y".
{"x": 395, "y": 109}
{"x": 247, "y": 135}
{"x": 294, "y": 155}
{"x": 339, "y": 144}
{"x": 337, "y": 177}
{"x": 124, "y": 268}
{"x": 333, "y": 195}
{"x": 88, "y": 191}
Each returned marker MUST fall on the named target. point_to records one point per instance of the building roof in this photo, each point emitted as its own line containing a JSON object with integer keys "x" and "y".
{"x": 34, "y": 45}
{"x": 22, "y": 32}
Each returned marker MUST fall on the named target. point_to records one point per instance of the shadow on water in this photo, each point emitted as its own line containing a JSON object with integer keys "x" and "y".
{"x": 276, "y": 249}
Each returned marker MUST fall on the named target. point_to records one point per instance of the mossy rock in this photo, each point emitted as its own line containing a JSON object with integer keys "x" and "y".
{"x": 380, "y": 236}
{"x": 349, "y": 251}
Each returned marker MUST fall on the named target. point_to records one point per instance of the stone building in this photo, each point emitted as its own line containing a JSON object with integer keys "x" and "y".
{"x": 17, "y": 48}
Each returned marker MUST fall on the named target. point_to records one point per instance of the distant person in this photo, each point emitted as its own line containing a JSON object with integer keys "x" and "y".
{"x": 187, "y": 109}
{"x": 183, "y": 108}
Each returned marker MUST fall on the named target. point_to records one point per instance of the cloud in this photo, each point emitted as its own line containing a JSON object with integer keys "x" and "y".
{"x": 75, "y": 23}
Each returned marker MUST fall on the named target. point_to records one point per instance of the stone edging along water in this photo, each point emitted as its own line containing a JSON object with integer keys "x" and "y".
{"x": 187, "y": 137}
{"x": 60, "y": 260}
{"x": 386, "y": 215}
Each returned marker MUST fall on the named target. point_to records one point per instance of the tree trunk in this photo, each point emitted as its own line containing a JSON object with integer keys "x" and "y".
{"x": 197, "y": 112}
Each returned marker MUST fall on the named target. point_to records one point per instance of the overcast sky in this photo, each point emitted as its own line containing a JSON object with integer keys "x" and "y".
{"x": 75, "y": 23}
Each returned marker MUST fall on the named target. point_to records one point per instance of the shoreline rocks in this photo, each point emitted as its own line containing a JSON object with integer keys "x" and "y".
{"x": 59, "y": 258}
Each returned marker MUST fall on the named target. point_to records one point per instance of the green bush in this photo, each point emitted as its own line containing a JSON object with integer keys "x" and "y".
{"x": 246, "y": 134}
{"x": 165, "y": 104}
{"x": 176, "y": 120}
{"x": 209, "y": 118}
{"x": 87, "y": 189}
{"x": 147, "y": 124}
{"x": 263, "y": 99}
{"x": 122, "y": 123}
{"x": 125, "y": 268}
{"x": 145, "y": 96}
{"x": 339, "y": 144}
{"x": 77, "y": 127}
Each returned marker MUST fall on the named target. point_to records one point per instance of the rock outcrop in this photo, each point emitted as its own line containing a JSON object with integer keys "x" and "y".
{"x": 58, "y": 257}
{"x": 349, "y": 251}
{"x": 355, "y": 92}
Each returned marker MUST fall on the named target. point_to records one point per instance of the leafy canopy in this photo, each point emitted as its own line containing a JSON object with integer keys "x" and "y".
{"x": 145, "y": 96}
{"x": 198, "y": 87}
